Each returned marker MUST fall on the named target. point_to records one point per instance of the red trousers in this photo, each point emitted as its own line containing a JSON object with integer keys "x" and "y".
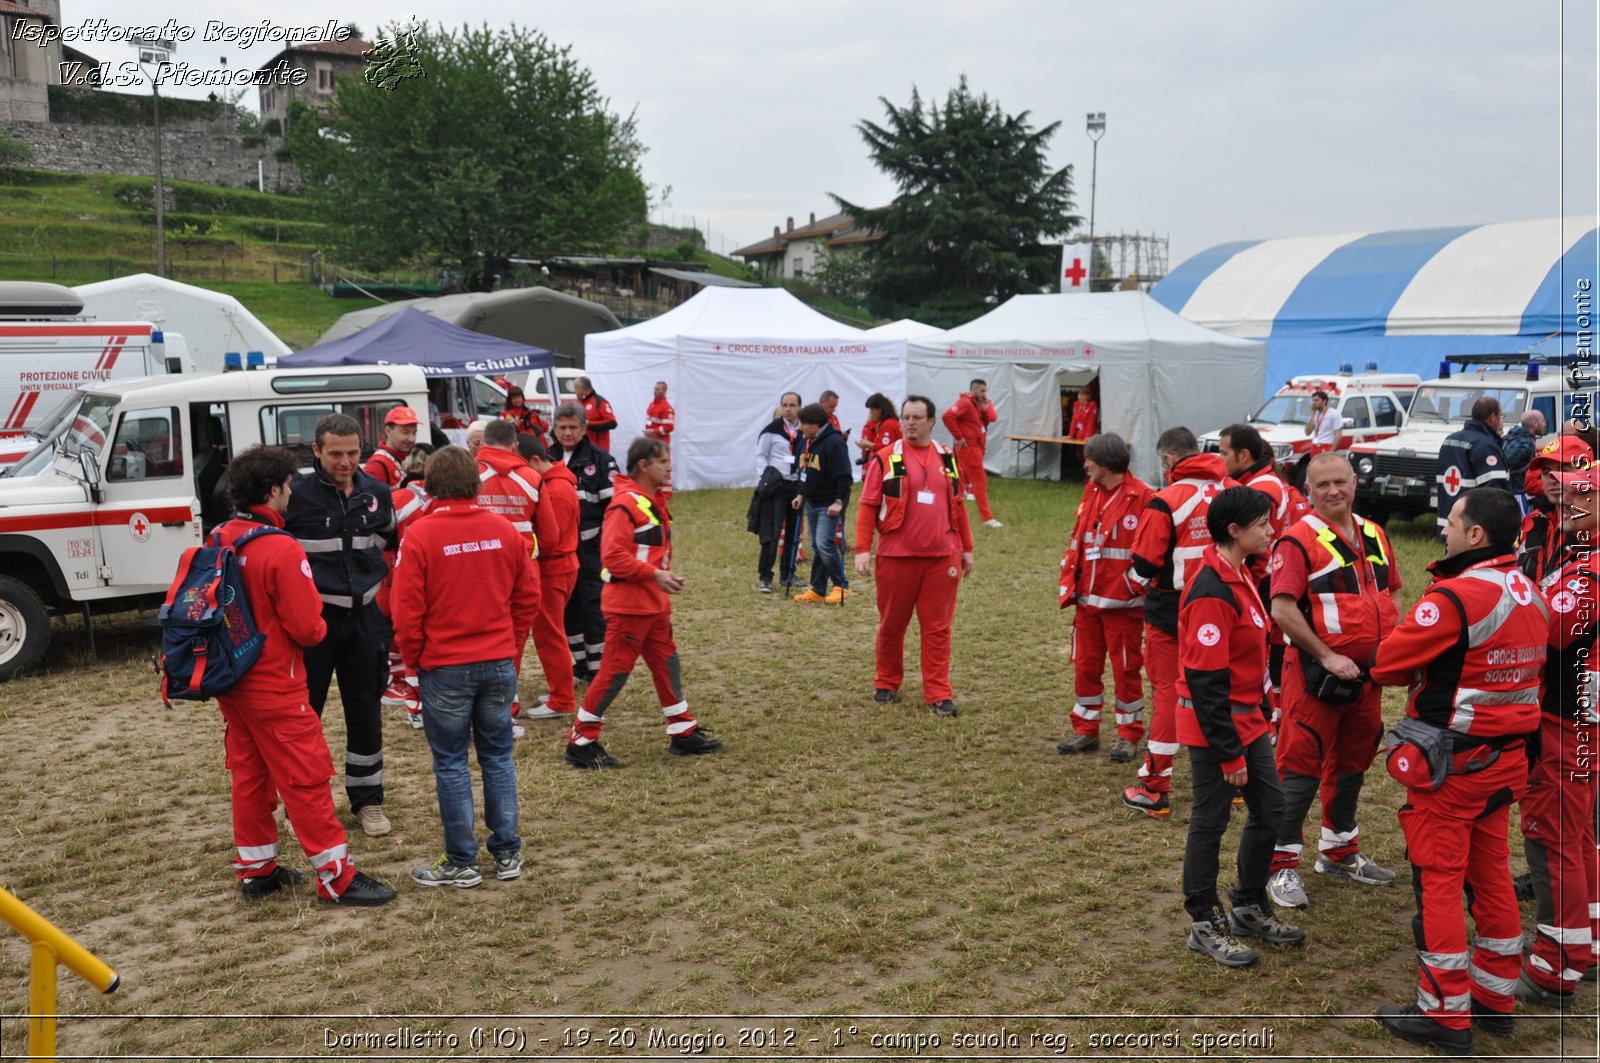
{"x": 1119, "y": 634}
{"x": 1331, "y": 743}
{"x": 970, "y": 460}
{"x": 1455, "y": 838}
{"x": 927, "y": 587}
{"x": 629, "y": 637}
{"x": 276, "y": 749}
{"x": 1161, "y": 665}
{"x": 1558, "y": 837}
{"x": 550, "y": 639}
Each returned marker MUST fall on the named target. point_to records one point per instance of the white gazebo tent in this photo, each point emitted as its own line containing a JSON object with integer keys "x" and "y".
{"x": 1155, "y": 369}
{"x": 906, "y": 328}
{"x": 727, "y": 355}
{"x": 210, "y": 323}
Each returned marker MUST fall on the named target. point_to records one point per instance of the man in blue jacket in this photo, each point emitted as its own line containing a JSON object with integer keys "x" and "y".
{"x": 826, "y": 477}
{"x": 1471, "y": 458}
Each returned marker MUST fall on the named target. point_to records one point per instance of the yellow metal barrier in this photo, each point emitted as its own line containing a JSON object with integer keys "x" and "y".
{"x": 50, "y": 948}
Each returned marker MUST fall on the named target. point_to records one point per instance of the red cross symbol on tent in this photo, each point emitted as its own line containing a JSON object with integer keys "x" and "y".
{"x": 1452, "y": 481}
{"x": 1076, "y": 273}
{"x": 716, "y": 346}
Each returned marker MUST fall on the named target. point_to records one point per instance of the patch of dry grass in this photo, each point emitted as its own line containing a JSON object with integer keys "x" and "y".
{"x": 837, "y": 858}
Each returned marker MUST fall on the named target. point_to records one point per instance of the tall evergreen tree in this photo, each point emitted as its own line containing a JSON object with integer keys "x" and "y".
{"x": 976, "y": 202}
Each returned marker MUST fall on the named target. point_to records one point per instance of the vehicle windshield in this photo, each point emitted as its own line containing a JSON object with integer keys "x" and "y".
{"x": 1284, "y": 409}
{"x": 78, "y": 425}
{"x": 1452, "y": 404}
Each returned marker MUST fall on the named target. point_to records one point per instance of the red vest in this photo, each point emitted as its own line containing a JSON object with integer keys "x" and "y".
{"x": 893, "y": 508}
{"x": 1099, "y": 555}
{"x": 635, "y": 542}
{"x": 1347, "y": 600}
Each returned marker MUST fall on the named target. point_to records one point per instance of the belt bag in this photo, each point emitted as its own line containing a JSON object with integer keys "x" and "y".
{"x": 1329, "y": 688}
{"x": 1421, "y": 756}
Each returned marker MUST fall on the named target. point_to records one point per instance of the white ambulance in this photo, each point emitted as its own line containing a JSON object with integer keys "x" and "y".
{"x": 48, "y": 349}
{"x": 129, "y": 474}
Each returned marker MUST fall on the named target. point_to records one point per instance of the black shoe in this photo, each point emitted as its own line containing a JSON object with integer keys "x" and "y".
{"x": 590, "y": 755}
{"x": 1523, "y": 884}
{"x": 945, "y": 708}
{"x": 364, "y": 891}
{"x": 1498, "y": 1023}
{"x": 693, "y": 744}
{"x": 1078, "y": 743}
{"x": 885, "y": 697}
{"x": 765, "y": 586}
{"x": 1409, "y": 1024}
{"x": 253, "y": 889}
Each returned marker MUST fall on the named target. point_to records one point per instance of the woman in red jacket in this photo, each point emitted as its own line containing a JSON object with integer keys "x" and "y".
{"x": 882, "y": 427}
{"x": 525, "y": 417}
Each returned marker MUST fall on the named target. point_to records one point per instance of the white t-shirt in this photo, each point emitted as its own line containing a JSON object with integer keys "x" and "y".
{"x": 1325, "y": 426}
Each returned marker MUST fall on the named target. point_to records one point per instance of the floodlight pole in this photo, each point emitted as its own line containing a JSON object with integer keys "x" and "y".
{"x": 161, "y": 191}
{"x": 1096, "y": 129}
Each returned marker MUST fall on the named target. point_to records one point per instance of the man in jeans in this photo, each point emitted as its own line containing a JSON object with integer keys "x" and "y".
{"x": 825, "y": 481}
{"x": 453, "y": 569}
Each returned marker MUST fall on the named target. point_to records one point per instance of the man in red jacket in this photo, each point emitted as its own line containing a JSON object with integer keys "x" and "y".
{"x": 659, "y": 422}
{"x": 399, "y": 435}
{"x": 968, "y": 420}
{"x": 463, "y": 658}
{"x": 509, "y": 486}
{"x": 274, "y": 740}
{"x": 1173, "y": 536}
{"x": 636, "y": 550}
{"x": 1082, "y": 425}
{"x": 597, "y": 412}
{"x": 1472, "y": 652}
{"x": 556, "y": 524}
{"x": 1223, "y": 717}
{"x": 1108, "y": 614}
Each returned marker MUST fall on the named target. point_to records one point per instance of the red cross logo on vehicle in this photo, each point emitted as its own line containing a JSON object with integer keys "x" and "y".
{"x": 1452, "y": 481}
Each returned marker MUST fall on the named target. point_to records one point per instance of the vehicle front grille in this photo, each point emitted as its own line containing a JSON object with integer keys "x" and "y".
{"x": 1393, "y": 465}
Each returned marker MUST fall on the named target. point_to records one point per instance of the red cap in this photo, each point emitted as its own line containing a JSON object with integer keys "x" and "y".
{"x": 1563, "y": 450}
{"x": 1578, "y": 481}
{"x": 401, "y": 415}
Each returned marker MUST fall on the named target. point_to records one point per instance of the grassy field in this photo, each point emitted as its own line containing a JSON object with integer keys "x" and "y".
{"x": 862, "y": 875}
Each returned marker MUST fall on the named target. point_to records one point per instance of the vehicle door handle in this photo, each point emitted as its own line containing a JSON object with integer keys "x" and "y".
{"x": 173, "y": 523}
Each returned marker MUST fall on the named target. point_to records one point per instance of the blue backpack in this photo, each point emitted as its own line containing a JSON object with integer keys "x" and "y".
{"x": 209, "y": 638}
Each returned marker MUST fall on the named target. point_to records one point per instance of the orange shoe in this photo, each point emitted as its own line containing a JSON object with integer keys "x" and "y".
{"x": 837, "y": 596}
{"x": 809, "y": 596}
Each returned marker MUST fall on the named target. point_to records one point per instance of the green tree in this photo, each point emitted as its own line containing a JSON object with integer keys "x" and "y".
{"x": 501, "y": 146}
{"x": 843, "y": 274}
{"x": 976, "y": 202}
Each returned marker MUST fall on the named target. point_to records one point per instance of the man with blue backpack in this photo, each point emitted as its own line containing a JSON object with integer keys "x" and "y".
{"x": 274, "y": 741}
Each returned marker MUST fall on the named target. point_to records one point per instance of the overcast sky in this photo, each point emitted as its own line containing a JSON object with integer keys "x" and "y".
{"x": 1226, "y": 120}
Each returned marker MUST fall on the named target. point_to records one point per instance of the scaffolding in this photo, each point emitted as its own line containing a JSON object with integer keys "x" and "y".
{"x": 1125, "y": 261}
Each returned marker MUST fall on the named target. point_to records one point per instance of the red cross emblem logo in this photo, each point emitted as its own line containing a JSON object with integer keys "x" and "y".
{"x": 1519, "y": 586}
{"x": 1088, "y": 351}
{"x": 1452, "y": 481}
{"x": 139, "y": 527}
{"x": 716, "y": 346}
{"x": 1075, "y": 273}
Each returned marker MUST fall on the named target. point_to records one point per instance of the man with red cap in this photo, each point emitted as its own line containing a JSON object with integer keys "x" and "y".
{"x": 399, "y": 436}
{"x": 1542, "y": 538}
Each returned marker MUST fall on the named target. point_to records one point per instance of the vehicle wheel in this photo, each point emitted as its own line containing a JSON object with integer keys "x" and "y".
{"x": 24, "y": 627}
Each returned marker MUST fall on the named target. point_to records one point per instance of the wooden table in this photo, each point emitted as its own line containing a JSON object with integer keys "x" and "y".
{"x": 1031, "y": 443}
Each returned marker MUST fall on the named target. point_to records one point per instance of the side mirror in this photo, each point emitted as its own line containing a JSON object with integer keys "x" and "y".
{"x": 91, "y": 474}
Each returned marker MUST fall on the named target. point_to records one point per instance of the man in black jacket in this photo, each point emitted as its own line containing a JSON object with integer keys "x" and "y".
{"x": 825, "y": 481}
{"x": 594, "y": 468}
{"x": 344, "y": 519}
{"x": 1472, "y": 457}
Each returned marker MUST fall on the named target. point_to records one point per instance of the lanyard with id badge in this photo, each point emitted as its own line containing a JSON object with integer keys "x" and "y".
{"x": 925, "y": 497}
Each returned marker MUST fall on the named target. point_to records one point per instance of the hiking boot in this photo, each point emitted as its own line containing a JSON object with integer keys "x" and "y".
{"x": 397, "y": 693}
{"x": 837, "y": 596}
{"x": 765, "y": 586}
{"x": 809, "y": 597}
{"x": 1497, "y": 1023}
{"x": 590, "y": 755}
{"x": 1409, "y": 1024}
{"x": 1252, "y": 921}
{"x": 259, "y": 886}
{"x": 1212, "y": 938}
{"x": 1122, "y": 751}
{"x": 1285, "y": 889}
{"x": 508, "y": 866}
{"x": 1530, "y": 992}
{"x": 945, "y": 708}
{"x": 1152, "y": 804}
{"x": 884, "y": 696}
{"x": 443, "y": 873}
{"x": 1078, "y": 743}
{"x": 364, "y": 891}
{"x": 1523, "y": 885}
{"x": 1357, "y": 868}
{"x": 373, "y": 822}
{"x": 992, "y": 523}
{"x": 693, "y": 744}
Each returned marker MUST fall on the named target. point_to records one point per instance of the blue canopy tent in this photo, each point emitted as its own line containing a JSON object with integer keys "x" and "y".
{"x": 441, "y": 349}
{"x": 1403, "y": 299}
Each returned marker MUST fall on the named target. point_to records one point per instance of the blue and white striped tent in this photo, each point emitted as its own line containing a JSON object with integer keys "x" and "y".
{"x": 1404, "y": 298}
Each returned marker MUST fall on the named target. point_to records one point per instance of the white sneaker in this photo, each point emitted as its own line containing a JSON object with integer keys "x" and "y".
{"x": 541, "y": 711}
{"x": 415, "y": 720}
{"x": 1286, "y": 890}
{"x": 517, "y": 731}
{"x": 992, "y": 523}
{"x": 1356, "y": 867}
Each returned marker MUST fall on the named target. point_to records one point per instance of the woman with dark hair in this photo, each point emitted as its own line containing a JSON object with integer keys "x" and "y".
{"x": 882, "y": 428}
{"x": 526, "y": 418}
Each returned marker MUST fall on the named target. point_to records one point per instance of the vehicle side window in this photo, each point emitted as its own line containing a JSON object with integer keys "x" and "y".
{"x": 1384, "y": 414}
{"x": 1546, "y": 404}
{"x": 488, "y": 400}
{"x": 290, "y": 426}
{"x": 148, "y": 445}
{"x": 1355, "y": 413}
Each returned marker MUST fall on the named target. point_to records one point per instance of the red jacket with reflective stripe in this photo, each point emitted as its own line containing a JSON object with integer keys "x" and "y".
{"x": 285, "y": 603}
{"x": 659, "y": 420}
{"x": 1099, "y": 559}
{"x": 1222, "y": 658}
{"x": 509, "y": 486}
{"x": 1347, "y": 599}
{"x": 1473, "y": 649}
{"x": 556, "y": 521}
{"x": 1173, "y": 535}
{"x": 384, "y": 466}
{"x": 635, "y": 543}
{"x": 1572, "y": 674}
{"x": 601, "y": 420}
